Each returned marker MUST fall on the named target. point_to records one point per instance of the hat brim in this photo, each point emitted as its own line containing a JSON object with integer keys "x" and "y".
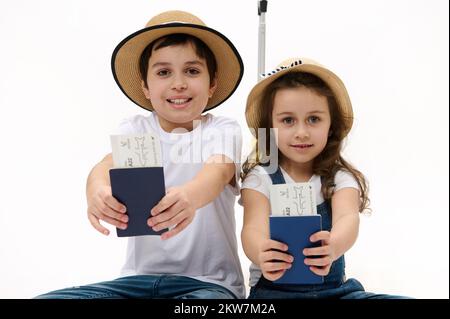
{"x": 126, "y": 57}
{"x": 253, "y": 114}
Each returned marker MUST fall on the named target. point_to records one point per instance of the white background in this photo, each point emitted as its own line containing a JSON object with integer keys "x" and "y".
{"x": 59, "y": 102}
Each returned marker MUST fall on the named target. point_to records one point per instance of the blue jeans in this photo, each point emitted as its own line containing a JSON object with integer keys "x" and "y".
{"x": 350, "y": 289}
{"x": 144, "y": 287}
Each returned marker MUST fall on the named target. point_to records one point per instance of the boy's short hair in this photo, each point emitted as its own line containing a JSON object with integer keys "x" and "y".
{"x": 127, "y": 56}
{"x": 201, "y": 49}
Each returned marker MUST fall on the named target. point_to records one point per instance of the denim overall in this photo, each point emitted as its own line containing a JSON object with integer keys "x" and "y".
{"x": 334, "y": 285}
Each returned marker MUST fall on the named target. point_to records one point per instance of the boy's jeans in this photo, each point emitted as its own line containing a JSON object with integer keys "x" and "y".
{"x": 144, "y": 287}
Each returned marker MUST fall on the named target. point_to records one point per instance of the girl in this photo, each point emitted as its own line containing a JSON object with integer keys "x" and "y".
{"x": 310, "y": 111}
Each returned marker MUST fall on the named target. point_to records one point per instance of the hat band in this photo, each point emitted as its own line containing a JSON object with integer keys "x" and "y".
{"x": 281, "y": 68}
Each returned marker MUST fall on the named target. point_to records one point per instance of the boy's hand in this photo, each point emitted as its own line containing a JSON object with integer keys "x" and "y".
{"x": 175, "y": 209}
{"x": 272, "y": 261}
{"x": 103, "y": 206}
{"x": 320, "y": 266}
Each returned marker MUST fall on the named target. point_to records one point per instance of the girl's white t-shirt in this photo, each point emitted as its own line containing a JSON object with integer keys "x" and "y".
{"x": 260, "y": 181}
{"x": 207, "y": 248}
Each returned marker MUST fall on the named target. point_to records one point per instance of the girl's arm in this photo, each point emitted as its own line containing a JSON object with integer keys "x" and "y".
{"x": 344, "y": 231}
{"x": 255, "y": 236}
{"x": 255, "y": 228}
{"x": 345, "y": 221}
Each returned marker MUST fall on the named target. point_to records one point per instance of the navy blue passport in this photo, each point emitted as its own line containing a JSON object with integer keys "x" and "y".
{"x": 139, "y": 189}
{"x": 295, "y": 231}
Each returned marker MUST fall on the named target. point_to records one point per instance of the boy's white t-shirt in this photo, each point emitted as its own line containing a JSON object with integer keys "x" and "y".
{"x": 260, "y": 181}
{"x": 207, "y": 248}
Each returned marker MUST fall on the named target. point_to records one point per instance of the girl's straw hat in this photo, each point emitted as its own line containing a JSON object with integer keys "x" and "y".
{"x": 126, "y": 56}
{"x": 253, "y": 112}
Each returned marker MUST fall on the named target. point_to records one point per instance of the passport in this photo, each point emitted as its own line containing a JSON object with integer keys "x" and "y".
{"x": 295, "y": 232}
{"x": 139, "y": 189}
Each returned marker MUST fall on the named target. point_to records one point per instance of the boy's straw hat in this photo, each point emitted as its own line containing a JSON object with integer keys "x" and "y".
{"x": 253, "y": 113}
{"x": 126, "y": 56}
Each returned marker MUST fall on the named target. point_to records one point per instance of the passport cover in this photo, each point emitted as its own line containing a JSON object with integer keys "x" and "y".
{"x": 295, "y": 231}
{"x": 139, "y": 189}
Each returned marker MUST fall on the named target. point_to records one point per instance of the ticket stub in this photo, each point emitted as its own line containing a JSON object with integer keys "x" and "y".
{"x": 136, "y": 150}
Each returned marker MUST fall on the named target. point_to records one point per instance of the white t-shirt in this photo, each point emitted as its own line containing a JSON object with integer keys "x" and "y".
{"x": 260, "y": 181}
{"x": 207, "y": 248}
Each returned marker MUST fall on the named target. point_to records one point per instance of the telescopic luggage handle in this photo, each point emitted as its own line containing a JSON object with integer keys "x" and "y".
{"x": 262, "y": 9}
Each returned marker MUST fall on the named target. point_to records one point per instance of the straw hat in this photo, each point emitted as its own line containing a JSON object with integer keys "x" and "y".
{"x": 253, "y": 114}
{"x": 125, "y": 58}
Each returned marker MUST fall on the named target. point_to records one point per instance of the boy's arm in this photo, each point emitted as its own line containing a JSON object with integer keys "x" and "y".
{"x": 179, "y": 205}
{"x": 217, "y": 172}
{"x": 101, "y": 204}
{"x": 259, "y": 248}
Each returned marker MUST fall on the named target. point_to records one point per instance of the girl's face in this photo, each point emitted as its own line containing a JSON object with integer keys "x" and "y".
{"x": 178, "y": 86}
{"x": 303, "y": 120}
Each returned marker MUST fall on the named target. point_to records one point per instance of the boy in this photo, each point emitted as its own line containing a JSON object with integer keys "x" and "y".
{"x": 177, "y": 68}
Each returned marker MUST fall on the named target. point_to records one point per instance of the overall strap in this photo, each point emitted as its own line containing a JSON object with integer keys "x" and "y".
{"x": 277, "y": 177}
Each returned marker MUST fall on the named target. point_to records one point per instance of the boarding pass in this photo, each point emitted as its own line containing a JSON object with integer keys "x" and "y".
{"x": 293, "y": 199}
{"x": 136, "y": 150}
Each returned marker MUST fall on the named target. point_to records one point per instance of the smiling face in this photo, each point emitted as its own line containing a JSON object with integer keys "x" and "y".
{"x": 179, "y": 85}
{"x": 303, "y": 120}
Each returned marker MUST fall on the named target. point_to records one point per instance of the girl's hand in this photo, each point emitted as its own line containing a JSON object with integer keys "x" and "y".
{"x": 320, "y": 266}
{"x": 174, "y": 209}
{"x": 272, "y": 260}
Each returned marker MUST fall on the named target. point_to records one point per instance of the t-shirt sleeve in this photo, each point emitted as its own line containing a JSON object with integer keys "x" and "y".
{"x": 125, "y": 127}
{"x": 223, "y": 136}
{"x": 258, "y": 180}
{"x": 344, "y": 179}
